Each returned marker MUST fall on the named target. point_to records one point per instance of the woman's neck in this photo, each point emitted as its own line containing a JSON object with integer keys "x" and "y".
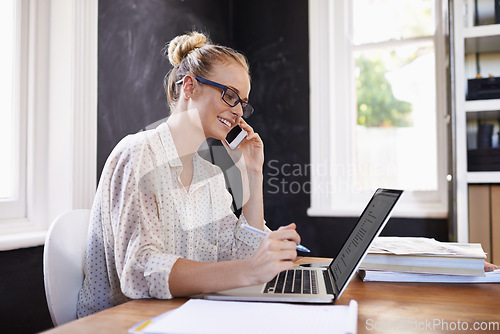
{"x": 187, "y": 132}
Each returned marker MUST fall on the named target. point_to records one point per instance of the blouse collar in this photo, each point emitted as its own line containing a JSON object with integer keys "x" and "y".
{"x": 168, "y": 145}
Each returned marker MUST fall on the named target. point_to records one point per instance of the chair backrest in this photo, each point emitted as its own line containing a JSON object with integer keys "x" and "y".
{"x": 63, "y": 258}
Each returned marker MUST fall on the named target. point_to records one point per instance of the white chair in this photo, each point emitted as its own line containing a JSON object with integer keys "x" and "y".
{"x": 63, "y": 258}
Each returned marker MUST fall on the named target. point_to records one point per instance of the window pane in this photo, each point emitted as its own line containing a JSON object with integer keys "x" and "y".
{"x": 384, "y": 20}
{"x": 7, "y": 122}
{"x": 396, "y": 141}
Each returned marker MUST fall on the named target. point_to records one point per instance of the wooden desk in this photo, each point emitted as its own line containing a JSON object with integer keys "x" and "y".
{"x": 383, "y": 308}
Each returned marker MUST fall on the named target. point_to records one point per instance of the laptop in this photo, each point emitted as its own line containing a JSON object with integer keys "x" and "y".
{"x": 323, "y": 285}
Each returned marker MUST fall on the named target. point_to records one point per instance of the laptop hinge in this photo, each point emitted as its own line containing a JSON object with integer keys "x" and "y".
{"x": 329, "y": 283}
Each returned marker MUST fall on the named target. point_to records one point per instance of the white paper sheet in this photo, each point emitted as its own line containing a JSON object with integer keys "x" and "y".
{"x": 422, "y": 246}
{"x": 209, "y": 316}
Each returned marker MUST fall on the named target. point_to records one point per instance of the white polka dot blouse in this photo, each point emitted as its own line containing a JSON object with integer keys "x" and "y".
{"x": 143, "y": 219}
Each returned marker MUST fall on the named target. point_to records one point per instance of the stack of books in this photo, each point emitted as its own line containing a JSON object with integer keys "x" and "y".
{"x": 401, "y": 259}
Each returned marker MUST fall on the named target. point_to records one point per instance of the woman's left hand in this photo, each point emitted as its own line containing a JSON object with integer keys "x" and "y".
{"x": 250, "y": 153}
{"x": 490, "y": 266}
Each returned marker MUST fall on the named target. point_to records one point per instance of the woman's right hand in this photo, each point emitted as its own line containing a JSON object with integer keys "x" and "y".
{"x": 276, "y": 253}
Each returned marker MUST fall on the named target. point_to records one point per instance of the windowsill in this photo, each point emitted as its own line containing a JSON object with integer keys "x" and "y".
{"x": 22, "y": 240}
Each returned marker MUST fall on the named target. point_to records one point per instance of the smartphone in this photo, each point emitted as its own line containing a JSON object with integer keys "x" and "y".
{"x": 235, "y": 137}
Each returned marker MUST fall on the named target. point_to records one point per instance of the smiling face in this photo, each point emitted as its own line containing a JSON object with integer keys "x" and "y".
{"x": 216, "y": 116}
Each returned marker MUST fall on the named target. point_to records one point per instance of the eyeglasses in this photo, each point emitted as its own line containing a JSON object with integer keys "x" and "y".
{"x": 229, "y": 96}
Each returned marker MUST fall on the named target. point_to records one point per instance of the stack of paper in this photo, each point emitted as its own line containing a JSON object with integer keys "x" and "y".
{"x": 209, "y": 316}
{"x": 397, "y": 258}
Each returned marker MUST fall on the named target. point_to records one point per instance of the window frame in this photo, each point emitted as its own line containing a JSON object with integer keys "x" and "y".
{"x": 331, "y": 70}
{"x": 60, "y": 88}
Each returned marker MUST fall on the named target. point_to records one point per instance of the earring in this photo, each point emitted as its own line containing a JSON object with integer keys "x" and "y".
{"x": 187, "y": 96}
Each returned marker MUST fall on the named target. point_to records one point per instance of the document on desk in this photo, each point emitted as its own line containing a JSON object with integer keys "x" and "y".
{"x": 210, "y": 316}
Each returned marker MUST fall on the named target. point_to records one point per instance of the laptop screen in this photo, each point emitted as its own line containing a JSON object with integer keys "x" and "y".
{"x": 366, "y": 229}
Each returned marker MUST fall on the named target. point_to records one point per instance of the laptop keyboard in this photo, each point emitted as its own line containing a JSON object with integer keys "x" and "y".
{"x": 300, "y": 281}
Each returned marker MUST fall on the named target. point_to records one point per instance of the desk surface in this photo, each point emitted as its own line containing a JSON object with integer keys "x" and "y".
{"x": 383, "y": 307}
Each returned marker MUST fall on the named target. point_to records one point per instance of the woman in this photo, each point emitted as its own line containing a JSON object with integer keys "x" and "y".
{"x": 161, "y": 224}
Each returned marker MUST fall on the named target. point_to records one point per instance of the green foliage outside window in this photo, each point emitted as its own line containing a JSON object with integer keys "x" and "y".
{"x": 377, "y": 106}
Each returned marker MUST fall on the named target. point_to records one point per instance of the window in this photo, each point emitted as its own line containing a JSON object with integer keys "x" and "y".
{"x": 378, "y": 105}
{"x": 7, "y": 30}
{"x": 48, "y": 117}
{"x": 12, "y": 112}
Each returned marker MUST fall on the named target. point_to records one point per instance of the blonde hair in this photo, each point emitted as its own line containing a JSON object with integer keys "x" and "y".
{"x": 193, "y": 53}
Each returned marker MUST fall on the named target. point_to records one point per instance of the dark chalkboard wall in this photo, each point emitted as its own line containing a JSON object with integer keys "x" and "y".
{"x": 132, "y": 34}
{"x": 23, "y": 307}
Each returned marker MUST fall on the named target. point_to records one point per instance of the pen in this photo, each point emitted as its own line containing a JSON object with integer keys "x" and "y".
{"x": 256, "y": 230}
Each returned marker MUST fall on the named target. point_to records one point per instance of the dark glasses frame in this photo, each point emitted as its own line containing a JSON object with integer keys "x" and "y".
{"x": 247, "y": 107}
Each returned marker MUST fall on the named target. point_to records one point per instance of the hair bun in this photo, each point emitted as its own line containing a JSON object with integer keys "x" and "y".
{"x": 181, "y": 46}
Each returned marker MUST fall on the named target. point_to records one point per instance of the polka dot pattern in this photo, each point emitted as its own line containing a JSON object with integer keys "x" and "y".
{"x": 143, "y": 220}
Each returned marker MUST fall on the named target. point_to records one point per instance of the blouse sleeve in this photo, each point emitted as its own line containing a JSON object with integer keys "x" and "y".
{"x": 142, "y": 264}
